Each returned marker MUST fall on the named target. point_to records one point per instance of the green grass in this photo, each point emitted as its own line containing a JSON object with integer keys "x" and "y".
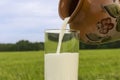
{"x": 99, "y": 64}
{"x": 93, "y": 65}
{"x": 21, "y": 66}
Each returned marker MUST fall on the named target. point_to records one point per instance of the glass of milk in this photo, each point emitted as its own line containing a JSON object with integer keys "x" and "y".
{"x": 62, "y": 65}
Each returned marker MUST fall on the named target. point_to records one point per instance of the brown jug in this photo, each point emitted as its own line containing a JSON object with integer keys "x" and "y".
{"x": 97, "y": 20}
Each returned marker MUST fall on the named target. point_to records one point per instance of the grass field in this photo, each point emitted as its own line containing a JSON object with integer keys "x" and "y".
{"x": 93, "y": 65}
{"x": 99, "y": 65}
{"x": 21, "y": 65}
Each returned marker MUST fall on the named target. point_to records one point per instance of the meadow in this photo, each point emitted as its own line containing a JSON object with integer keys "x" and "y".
{"x": 93, "y": 65}
{"x": 99, "y": 64}
{"x": 21, "y": 65}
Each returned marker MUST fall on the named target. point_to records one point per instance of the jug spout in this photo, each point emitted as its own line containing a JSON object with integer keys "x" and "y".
{"x": 69, "y": 8}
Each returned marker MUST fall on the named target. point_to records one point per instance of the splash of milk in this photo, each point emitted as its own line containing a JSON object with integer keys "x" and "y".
{"x": 61, "y": 34}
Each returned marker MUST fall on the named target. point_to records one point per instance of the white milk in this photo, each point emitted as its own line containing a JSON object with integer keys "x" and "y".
{"x": 62, "y": 34}
{"x": 61, "y": 66}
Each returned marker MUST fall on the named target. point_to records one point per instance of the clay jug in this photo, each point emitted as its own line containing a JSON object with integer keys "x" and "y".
{"x": 97, "y": 20}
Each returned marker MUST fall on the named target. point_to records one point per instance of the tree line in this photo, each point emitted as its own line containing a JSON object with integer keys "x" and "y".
{"x": 110, "y": 45}
{"x": 22, "y": 45}
{"x": 25, "y": 45}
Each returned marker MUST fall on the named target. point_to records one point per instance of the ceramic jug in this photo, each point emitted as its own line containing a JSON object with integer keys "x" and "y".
{"x": 97, "y": 20}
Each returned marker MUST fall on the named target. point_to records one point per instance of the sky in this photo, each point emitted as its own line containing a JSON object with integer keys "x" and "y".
{"x": 27, "y": 19}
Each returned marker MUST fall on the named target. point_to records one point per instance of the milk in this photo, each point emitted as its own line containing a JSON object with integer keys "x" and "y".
{"x": 62, "y": 66}
{"x": 62, "y": 34}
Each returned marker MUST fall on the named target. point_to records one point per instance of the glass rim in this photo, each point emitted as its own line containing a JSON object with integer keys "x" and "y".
{"x": 59, "y": 30}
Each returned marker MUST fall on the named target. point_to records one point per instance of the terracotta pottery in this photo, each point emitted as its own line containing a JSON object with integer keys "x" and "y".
{"x": 97, "y": 20}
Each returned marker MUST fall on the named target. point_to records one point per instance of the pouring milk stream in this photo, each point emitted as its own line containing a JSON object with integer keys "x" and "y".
{"x": 62, "y": 34}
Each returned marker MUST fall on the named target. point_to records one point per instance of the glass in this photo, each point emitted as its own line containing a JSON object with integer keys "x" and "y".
{"x": 70, "y": 41}
{"x": 62, "y": 66}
